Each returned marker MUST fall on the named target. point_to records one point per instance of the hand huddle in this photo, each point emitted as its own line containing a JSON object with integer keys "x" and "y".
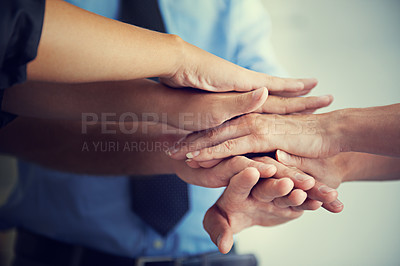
{"x": 76, "y": 97}
{"x": 282, "y": 159}
{"x": 261, "y": 189}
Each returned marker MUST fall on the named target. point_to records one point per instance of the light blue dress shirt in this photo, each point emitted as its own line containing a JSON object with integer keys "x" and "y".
{"x": 95, "y": 211}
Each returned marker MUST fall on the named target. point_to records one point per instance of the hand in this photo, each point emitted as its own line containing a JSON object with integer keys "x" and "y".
{"x": 304, "y": 187}
{"x": 220, "y": 175}
{"x": 323, "y": 190}
{"x": 203, "y": 70}
{"x": 194, "y": 110}
{"x": 247, "y": 201}
{"x": 187, "y": 109}
{"x": 304, "y": 135}
{"x": 330, "y": 171}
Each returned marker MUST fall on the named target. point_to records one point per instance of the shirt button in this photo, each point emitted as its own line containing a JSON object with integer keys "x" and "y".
{"x": 158, "y": 244}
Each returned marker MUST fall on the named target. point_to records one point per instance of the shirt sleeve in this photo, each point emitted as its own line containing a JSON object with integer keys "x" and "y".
{"x": 21, "y": 24}
{"x": 5, "y": 117}
{"x": 250, "y": 29}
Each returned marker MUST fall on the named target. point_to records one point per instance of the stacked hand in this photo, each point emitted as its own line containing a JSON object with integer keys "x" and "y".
{"x": 260, "y": 190}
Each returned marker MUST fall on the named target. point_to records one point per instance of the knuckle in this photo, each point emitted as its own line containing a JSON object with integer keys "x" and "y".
{"x": 279, "y": 202}
{"x": 229, "y": 145}
{"x": 211, "y": 134}
{"x": 219, "y": 117}
{"x": 254, "y": 140}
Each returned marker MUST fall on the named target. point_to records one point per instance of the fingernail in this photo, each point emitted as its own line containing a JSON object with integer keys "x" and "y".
{"x": 257, "y": 94}
{"x": 302, "y": 178}
{"x": 325, "y": 97}
{"x": 188, "y": 160}
{"x": 218, "y": 240}
{"x": 325, "y": 189}
{"x": 191, "y": 155}
{"x": 337, "y": 204}
{"x": 299, "y": 85}
{"x": 282, "y": 156}
{"x": 171, "y": 151}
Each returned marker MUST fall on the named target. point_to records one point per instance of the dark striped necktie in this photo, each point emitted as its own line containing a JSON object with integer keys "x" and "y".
{"x": 160, "y": 201}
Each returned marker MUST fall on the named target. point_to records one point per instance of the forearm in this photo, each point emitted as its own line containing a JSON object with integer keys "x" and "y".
{"x": 61, "y": 145}
{"x": 80, "y": 46}
{"x": 368, "y": 167}
{"x": 372, "y": 130}
{"x": 71, "y": 101}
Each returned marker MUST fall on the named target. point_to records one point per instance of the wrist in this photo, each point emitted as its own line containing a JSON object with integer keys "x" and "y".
{"x": 177, "y": 56}
{"x": 336, "y": 125}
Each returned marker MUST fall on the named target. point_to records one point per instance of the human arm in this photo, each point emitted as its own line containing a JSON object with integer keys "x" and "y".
{"x": 79, "y": 46}
{"x": 106, "y": 149}
{"x": 373, "y": 130}
{"x": 146, "y": 100}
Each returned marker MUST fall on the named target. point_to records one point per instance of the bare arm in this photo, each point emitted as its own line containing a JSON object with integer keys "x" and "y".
{"x": 142, "y": 100}
{"x": 61, "y": 145}
{"x": 107, "y": 149}
{"x": 374, "y": 130}
{"x": 80, "y": 46}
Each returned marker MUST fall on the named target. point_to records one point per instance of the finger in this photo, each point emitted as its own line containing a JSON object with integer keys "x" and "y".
{"x": 192, "y": 164}
{"x": 300, "y": 179}
{"x": 210, "y": 164}
{"x": 305, "y": 164}
{"x": 335, "y": 206}
{"x": 231, "y": 147}
{"x": 323, "y": 193}
{"x": 221, "y": 174}
{"x": 268, "y": 189}
{"x": 243, "y": 103}
{"x": 308, "y": 205}
{"x": 311, "y": 111}
{"x": 207, "y": 164}
{"x": 295, "y": 198}
{"x": 240, "y": 185}
{"x": 309, "y": 83}
{"x": 218, "y": 229}
{"x": 207, "y": 138}
{"x": 282, "y": 105}
{"x": 289, "y": 85}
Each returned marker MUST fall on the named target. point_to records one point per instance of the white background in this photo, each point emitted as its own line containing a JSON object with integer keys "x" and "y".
{"x": 353, "y": 48}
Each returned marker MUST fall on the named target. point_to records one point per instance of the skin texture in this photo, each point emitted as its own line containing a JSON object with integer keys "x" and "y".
{"x": 373, "y": 130}
{"x": 244, "y": 204}
{"x": 276, "y": 198}
{"x": 187, "y": 109}
{"x": 80, "y": 46}
{"x": 251, "y": 200}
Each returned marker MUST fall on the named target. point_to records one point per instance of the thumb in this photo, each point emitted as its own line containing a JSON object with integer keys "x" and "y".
{"x": 243, "y": 103}
{"x": 218, "y": 229}
{"x": 290, "y": 160}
